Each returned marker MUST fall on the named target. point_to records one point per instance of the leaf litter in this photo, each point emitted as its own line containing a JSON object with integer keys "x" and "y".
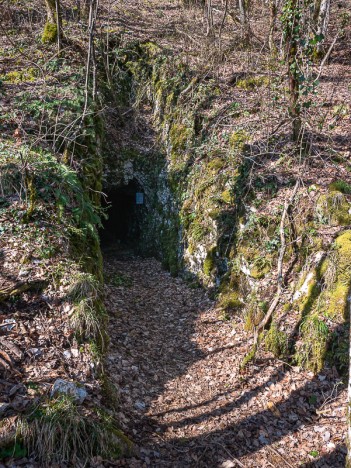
{"x": 182, "y": 397}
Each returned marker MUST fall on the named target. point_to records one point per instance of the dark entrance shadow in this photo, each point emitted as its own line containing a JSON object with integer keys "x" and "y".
{"x": 125, "y": 208}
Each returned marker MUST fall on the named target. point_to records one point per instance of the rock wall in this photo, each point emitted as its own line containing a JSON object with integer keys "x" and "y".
{"x": 214, "y": 211}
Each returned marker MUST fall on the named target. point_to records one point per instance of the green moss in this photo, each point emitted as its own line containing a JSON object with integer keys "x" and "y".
{"x": 306, "y": 302}
{"x": 216, "y": 164}
{"x": 215, "y": 213}
{"x": 334, "y": 208}
{"x": 238, "y": 139}
{"x": 276, "y": 341}
{"x": 32, "y": 192}
{"x": 337, "y": 295}
{"x": 231, "y": 302}
{"x": 170, "y": 244}
{"x": 249, "y": 357}
{"x": 311, "y": 351}
{"x": 255, "y": 311}
{"x": 261, "y": 267}
{"x": 50, "y": 33}
{"x": 198, "y": 230}
{"x": 252, "y": 82}
{"x": 179, "y": 135}
{"x": 109, "y": 393}
{"x": 179, "y": 138}
{"x": 20, "y": 76}
{"x": 227, "y": 197}
{"x": 340, "y": 186}
{"x": 209, "y": 263}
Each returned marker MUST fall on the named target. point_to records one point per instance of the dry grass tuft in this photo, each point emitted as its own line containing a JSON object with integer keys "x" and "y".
{"x": 58, "y": 432}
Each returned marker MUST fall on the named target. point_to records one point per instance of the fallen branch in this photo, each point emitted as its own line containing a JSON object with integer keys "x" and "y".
{"x": 251, "y": 355}
{"x": 11, "y": 347}
{"x": 19, "y": 288}
{"x": 13, "y": 290}
{"x": 326, "y": 57}
{"x": 275, "y": 302}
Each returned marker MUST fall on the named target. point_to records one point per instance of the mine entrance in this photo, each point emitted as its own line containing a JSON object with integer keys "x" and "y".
{"x": 125, "y": 208}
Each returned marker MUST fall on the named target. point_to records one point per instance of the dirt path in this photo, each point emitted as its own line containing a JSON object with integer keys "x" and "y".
{"x": 182, "y": 398}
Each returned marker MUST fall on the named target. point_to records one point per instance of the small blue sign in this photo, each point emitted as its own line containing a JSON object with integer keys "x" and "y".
{"x": 139, "y": 198}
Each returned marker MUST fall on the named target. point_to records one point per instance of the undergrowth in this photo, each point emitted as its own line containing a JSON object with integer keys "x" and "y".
{"x": 58, "y": 431}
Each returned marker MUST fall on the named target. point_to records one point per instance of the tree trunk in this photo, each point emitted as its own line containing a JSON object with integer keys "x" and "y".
{"x": 209, "y": 17}
{"x": 322, "y": 20}
{"x": 273, "y": 7}
{"x": 52, "y": 29}
{"x": 292, "y": 40}
{"x": 245, "y": 26}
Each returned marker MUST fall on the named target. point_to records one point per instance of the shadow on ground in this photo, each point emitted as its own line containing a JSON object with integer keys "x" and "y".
{"x": 168, "y": 347}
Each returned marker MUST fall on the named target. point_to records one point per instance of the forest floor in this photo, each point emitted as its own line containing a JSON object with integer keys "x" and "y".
{"x": 184, "y": 401}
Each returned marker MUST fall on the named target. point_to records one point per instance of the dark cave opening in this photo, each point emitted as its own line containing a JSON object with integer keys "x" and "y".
{"x": 125, "y": 208}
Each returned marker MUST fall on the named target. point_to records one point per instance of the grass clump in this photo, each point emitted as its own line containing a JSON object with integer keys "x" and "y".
{"x": 85, "y": 286}
{"x": 88, "y": 320}
{"x": 12, "y": 449}
{"x": 58, "y": 431}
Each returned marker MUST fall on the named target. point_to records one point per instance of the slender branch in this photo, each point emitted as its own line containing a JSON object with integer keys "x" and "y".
{"x": 275, "y": 302}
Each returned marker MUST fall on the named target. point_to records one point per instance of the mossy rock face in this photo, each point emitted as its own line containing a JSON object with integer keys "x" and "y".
{"x": 337, "y": 295}
{"x": 50, "y": 33}
{"x": 209, "y": 263}
{"x": 311, "y": 351}
{"x": 334, "y": 208}
{"x": 261, "y": 267}
{"x": 231, "y": 302}
{"x": 276, "y": 341}
{"x": 323, "y": 295}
